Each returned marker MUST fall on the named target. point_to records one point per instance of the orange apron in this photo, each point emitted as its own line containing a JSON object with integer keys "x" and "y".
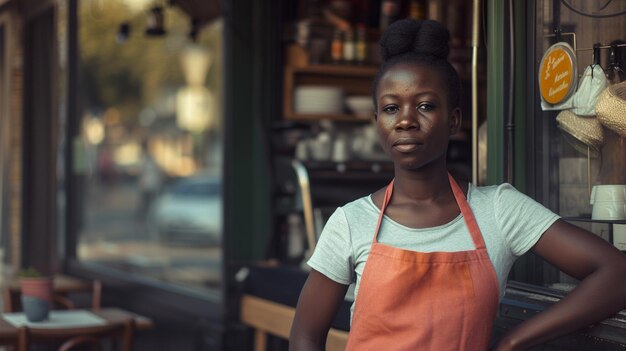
{"x": 435, "y": 301}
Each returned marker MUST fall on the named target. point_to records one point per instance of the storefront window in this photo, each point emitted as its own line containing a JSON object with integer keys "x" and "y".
{"x": 149, "y": 152}
{"x": 577, "y": 150}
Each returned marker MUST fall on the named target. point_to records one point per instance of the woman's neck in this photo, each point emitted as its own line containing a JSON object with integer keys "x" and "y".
{"x": 424, "y": 185}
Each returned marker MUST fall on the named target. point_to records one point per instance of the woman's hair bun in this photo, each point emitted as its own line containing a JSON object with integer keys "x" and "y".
{"x": 425, "y": 37}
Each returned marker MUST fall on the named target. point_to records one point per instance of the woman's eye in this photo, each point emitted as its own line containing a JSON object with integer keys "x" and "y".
{"x": 426, "y": 107}
{"x": 390, "y": 109}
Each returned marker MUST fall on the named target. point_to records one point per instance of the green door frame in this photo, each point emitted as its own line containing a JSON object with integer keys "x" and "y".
{"x": 495, "y": 91}
{"x": 246, "y": 162}
{"x": 527, "y": 268}
{"x": 254, "y": 36}
{"x": 521, "y": 98}
{"x": 498, "y": 44}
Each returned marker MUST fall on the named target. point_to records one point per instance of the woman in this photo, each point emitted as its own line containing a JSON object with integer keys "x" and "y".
{"x": 437, "y": 253}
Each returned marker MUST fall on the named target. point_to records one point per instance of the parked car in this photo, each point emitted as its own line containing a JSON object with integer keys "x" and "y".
{"x": 188, "y": 211}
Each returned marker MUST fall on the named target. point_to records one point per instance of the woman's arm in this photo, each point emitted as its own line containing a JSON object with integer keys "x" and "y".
{"x": 600, "y": 294}
{"x": 317, "y": 306}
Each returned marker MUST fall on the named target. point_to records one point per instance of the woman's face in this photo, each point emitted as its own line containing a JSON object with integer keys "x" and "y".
{"x": 413, "y": 118}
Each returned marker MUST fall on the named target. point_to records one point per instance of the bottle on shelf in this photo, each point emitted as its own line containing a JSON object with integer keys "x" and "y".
{"x": 348, "y": 46}
{"x": 361, "y": 44}
{"x": 417, "y": 10}
{"x": 296, "y": 236}
{"x": 336, "y": 47}
{"x": 389, "y": 10}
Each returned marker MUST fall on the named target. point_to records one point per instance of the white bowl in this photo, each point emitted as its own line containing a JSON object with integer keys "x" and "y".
{"x": 318, "y": 99}
{"x": 361, "y": 105}
{"x": 318, "y": 92}
{"x": 608, "y": 193}
{"x": 609, "y": 210}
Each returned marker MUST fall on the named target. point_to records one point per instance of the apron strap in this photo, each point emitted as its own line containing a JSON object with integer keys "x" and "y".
{"x": 459, "y": 196}
{"x": 468, "y": 215}
{"x": 386, "y": 200}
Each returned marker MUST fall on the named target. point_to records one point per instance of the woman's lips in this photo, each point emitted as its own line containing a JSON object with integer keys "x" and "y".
{"x": 407, "y": 144}
{"x": 406, "y": 147}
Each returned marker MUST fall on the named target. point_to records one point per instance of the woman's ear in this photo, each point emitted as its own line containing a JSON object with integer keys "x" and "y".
{"x": 456, "y": 117}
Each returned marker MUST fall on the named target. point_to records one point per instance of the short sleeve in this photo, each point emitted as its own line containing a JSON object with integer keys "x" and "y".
{"x": 333, "y": 253}
{"x": 521, "y": 219}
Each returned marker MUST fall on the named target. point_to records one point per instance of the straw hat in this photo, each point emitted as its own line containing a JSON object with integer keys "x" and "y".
{"x": 611, "y": 108}
{"x": 585, "y": 130}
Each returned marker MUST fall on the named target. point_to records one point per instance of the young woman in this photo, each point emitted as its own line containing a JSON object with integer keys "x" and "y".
{"x": 429, "y": 256}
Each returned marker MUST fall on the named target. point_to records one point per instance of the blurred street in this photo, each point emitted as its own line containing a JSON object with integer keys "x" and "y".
{"x": 115, "y": 235}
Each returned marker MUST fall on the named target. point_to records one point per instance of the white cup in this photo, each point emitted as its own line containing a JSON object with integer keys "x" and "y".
{"x": 619, "y": 236}
{"x": 321, "y": 147}
{"x": 341, "y": 149}
{"x": 302, "y": 150}
{"x": 609, "y": 210}
{"x": 608, "y": 193}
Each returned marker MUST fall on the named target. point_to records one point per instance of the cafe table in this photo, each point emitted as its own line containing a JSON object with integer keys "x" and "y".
{"x": 72, "y": 320}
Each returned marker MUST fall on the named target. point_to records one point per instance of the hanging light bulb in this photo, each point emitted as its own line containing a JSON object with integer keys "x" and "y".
{"x": 195, "y": 107}
{"x": 156, "y": 22}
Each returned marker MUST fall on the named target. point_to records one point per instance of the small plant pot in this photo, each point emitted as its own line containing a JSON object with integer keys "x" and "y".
{"x": 35, "y": 309}
{"x": 36, "y": 297}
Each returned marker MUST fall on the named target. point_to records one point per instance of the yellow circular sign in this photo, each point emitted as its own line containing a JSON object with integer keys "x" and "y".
{"x": 557, "y": 73}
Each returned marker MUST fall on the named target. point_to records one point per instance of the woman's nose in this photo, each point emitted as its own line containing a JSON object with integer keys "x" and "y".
{"x": 407, "y": 119}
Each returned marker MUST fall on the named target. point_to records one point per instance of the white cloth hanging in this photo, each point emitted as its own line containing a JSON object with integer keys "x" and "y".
{"x": 593, "y": 82}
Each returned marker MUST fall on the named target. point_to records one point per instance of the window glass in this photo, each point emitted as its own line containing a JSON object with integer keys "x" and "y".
{"x": 148, "y": 158}
{"x": 577, "y": 151}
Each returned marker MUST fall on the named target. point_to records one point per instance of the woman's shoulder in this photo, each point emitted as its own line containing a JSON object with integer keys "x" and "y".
{"x": 492, "y": 190}
{"x": 502, "y": 195}
{"x": 496, "y": 194}
{"x": 377, "y": 197}
{"x": 363, "y": 206}
{"x": 358, "y": 204}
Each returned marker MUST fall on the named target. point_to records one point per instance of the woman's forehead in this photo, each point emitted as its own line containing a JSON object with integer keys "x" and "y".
{"x": 412, "y": 76}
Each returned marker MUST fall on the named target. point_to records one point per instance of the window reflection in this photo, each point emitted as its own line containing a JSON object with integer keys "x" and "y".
{"x": 150, "y": 151}
{"x": 567, "y": 167}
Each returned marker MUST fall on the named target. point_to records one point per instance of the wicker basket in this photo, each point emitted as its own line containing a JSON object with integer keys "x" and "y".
{"x": 586, "y": 130}
{"x": 611, "y": 108}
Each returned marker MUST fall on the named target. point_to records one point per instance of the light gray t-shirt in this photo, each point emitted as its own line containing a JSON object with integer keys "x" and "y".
{"x": 510, "y": 222}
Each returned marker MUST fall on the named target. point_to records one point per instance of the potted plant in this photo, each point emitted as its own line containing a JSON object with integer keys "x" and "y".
{"x": 36, "y": 294}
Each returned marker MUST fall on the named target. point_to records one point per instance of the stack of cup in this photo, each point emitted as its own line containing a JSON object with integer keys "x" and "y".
{"x": 609, "y": 202}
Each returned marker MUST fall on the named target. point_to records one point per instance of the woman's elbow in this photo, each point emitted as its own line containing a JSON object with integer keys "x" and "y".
{"x": 304, "y": 338}
{"x": 615, "y": 271}
{"x": 301, "y": 340}
{"x": 619, "y": 274}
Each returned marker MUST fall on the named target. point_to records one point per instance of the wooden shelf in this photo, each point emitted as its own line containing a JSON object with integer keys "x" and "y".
{"x": 339, "y": 117}
{"x": 339, "y": 70}
{"x": 352, "y": 79}
{"x": 589, "y": 220}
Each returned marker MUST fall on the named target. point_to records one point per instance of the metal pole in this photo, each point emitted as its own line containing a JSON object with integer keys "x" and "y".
{"x": 474, "y": 73}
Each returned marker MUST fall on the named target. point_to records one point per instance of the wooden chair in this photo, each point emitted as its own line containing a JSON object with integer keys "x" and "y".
{"x": 268, "y": 317}
{"x": 86, "y": 338}
{"x": 60, "y": 299}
